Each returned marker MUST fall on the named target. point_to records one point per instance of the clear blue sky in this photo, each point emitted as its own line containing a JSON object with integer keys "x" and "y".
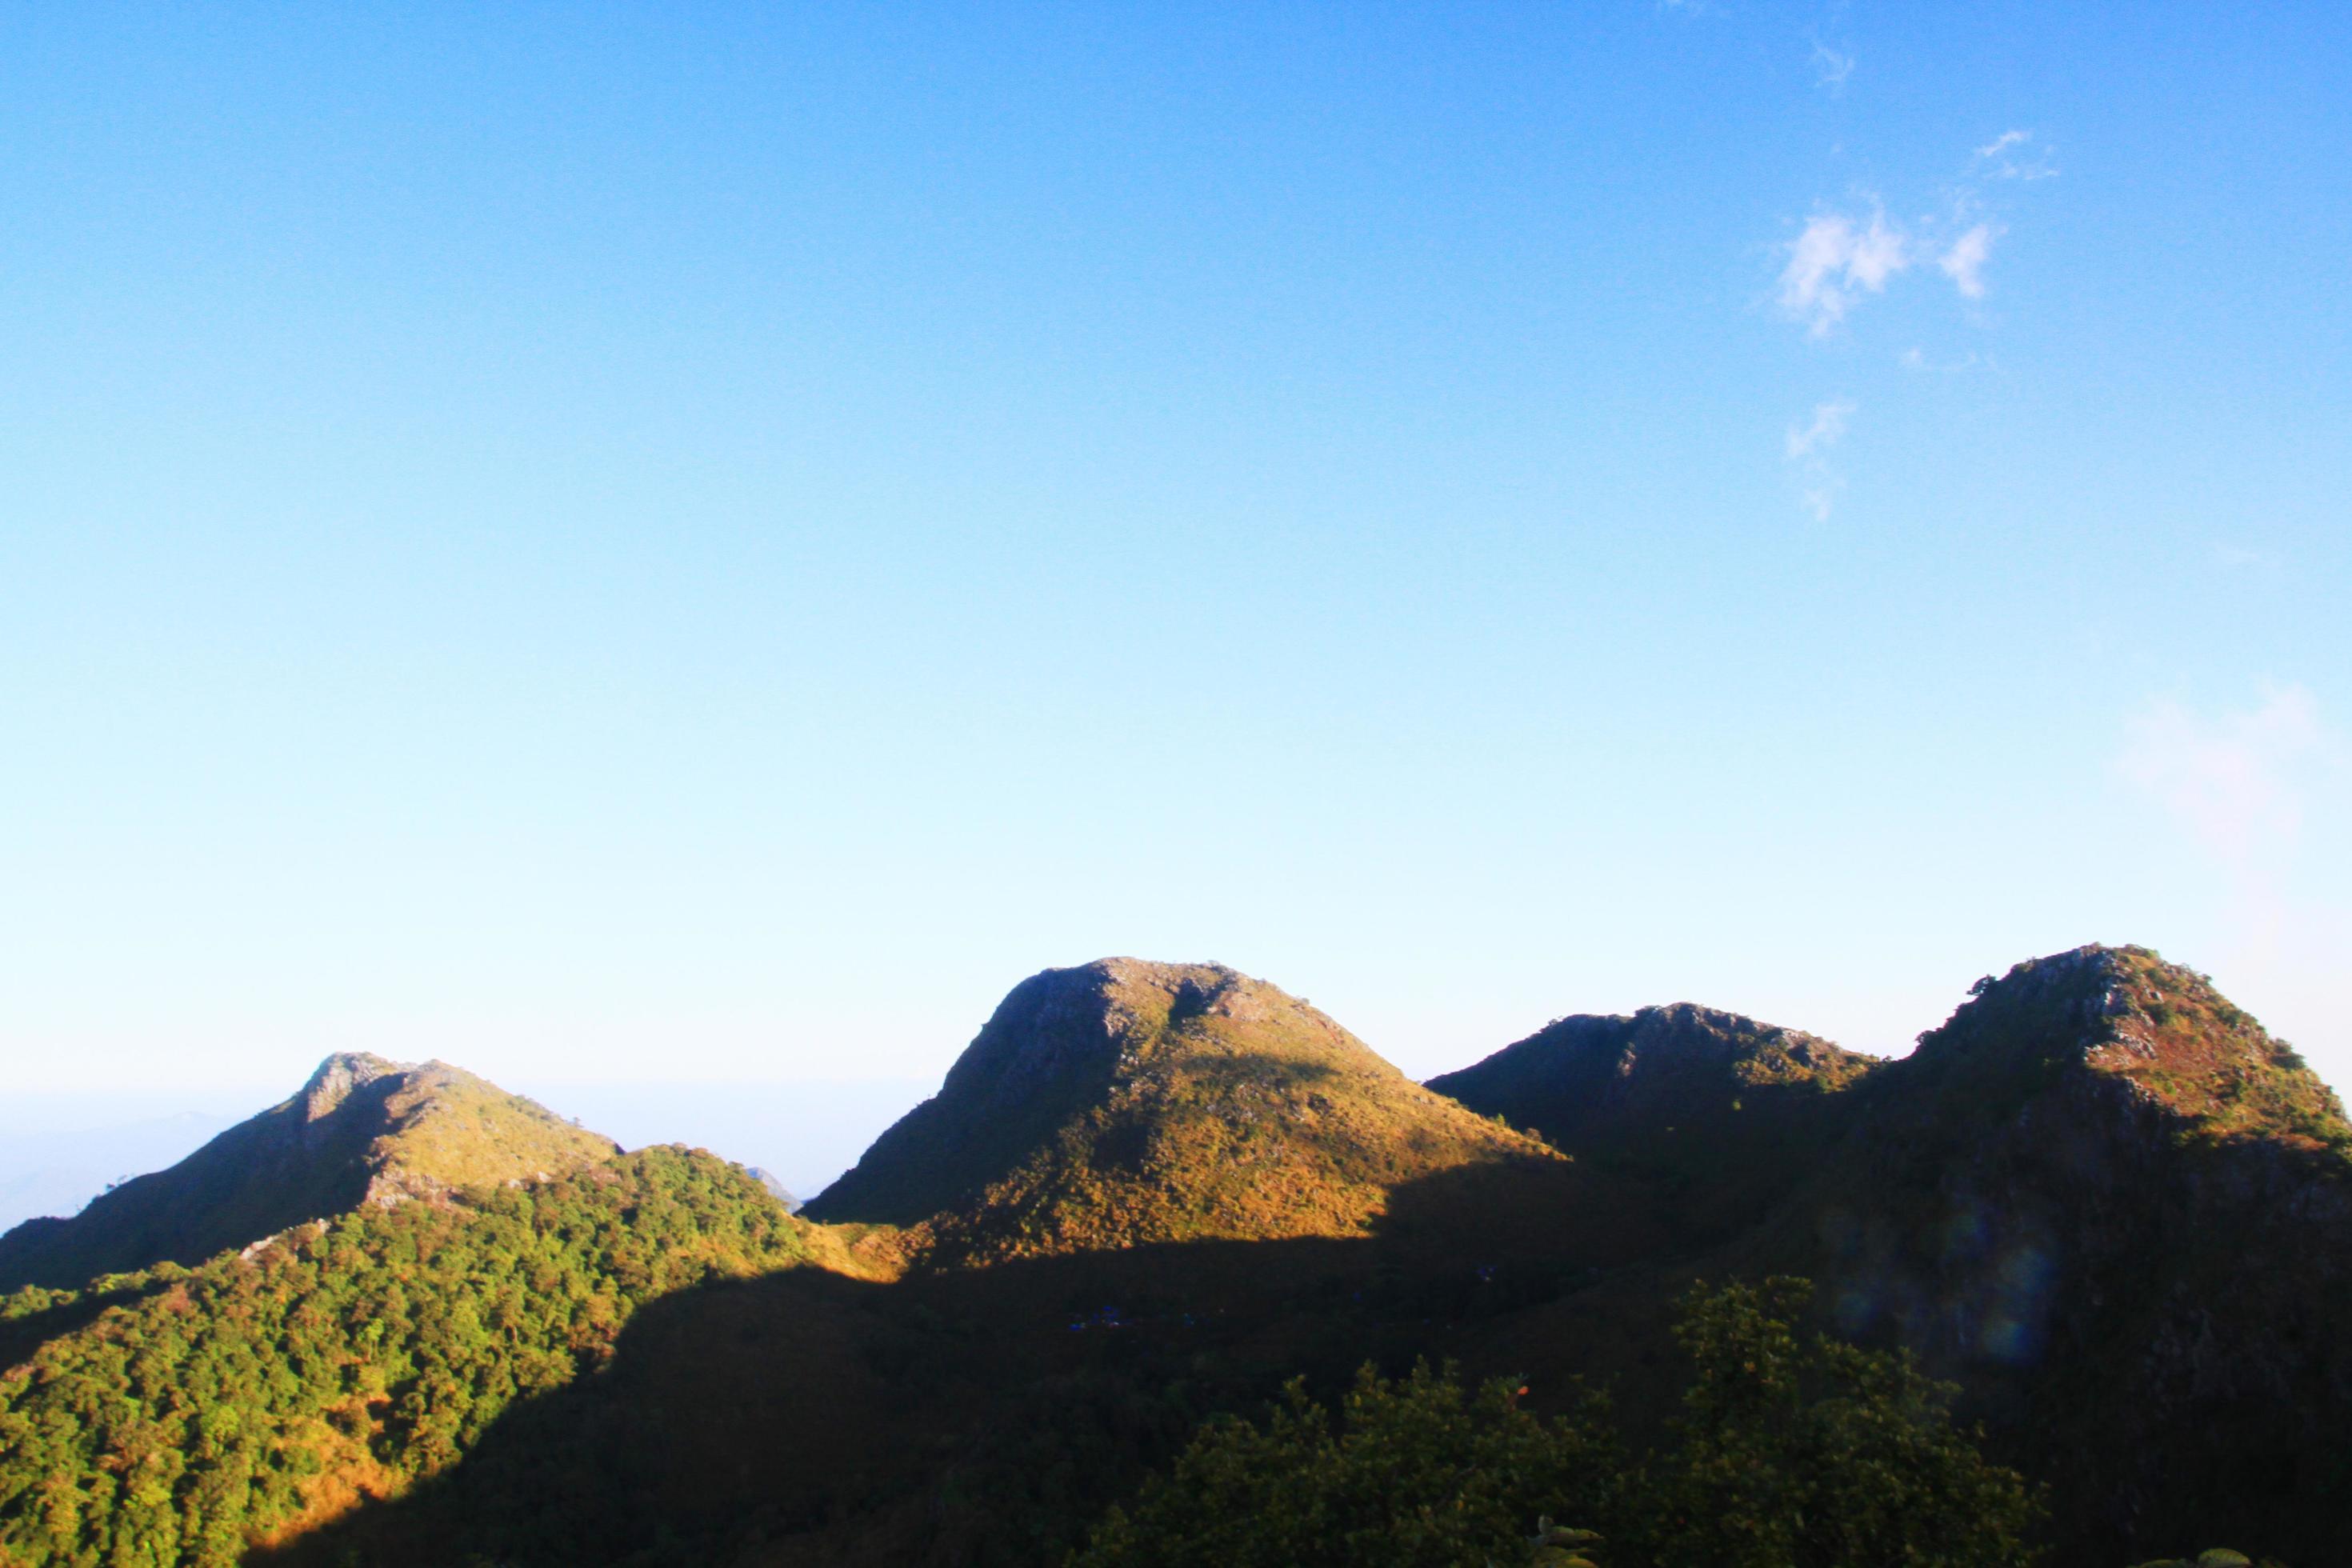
{"x": 629, "y": 542}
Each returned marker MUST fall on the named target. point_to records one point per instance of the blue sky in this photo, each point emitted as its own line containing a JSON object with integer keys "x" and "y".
{"x": 606, "y": 545}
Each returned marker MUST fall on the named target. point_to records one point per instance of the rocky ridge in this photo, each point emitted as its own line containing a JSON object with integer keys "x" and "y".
{"x": 361, "y": 1131}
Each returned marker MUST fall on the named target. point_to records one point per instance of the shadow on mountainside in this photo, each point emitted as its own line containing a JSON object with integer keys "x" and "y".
{"x": 266, "y": 1174}
{"x": 988, "y": 1416}
{"x": 982, "y": 1416}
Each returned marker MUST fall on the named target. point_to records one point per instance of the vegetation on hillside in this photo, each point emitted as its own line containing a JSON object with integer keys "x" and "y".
{"x": 1719, "y": 1115}
{"x": 212, "y": 1407}
{"x": 2117, "y": 1209}
{"x": 2130, "y": 1017}
{"x": 1188, "y": 1187}
{"x": 361, "y": 1129}
{"x": 1794, "y": 1452}
{"x": 1126, "y": 1103}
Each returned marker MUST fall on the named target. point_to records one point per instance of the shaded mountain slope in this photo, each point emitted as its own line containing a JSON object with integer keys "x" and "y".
{"x": 2116, "y": 1210}
{"x": 1722, "y": 1113}
{"x": 1123, "y": 1102}
{"x": 2113, "y": 1204}
{"x": 363, "y": 1131}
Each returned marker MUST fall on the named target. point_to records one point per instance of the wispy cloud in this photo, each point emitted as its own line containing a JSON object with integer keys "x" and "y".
{"x": 1843, "y": 257}
{"x": 1831, "y": 67}
{"x": 1916, "y": 360}
{"x": 1964, "y": 262}
{"x": 2236, "y": 556}
{"x": 1807, "y": 446}
{"x": 2014, "y": 155}
{"x": 1824, "y": 430}
{"x": 1834, "y": 262}
{"x": 2236, "y": 782}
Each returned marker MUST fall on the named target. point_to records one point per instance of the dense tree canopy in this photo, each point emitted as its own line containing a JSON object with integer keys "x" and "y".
{"x": 1796, "y": 1451}
{"x": 205, "y": 1408}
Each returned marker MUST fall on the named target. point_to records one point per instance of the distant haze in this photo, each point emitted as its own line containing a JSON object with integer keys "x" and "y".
{"x": 57, "y": 1153}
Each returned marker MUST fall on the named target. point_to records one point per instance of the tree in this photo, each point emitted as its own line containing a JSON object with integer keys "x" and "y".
{"x": 1794, "y": 1451}
{"x": 1806, "y": 1452}
{"x": 1422, "y": 1474}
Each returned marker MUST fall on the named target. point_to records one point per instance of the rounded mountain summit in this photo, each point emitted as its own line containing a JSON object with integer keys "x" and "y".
{"x": 1123, "y": 1102}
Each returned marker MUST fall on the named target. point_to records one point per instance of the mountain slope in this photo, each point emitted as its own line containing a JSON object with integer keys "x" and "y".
{"x": 1123, "y": 1102}
{"x": 1721, "y": 1113}
{"x": 205, "y": 1413}
{"x": 2117, "y": 1209}
{"x": 363, "y": 1131}
{"x": 1612, "y": 1078}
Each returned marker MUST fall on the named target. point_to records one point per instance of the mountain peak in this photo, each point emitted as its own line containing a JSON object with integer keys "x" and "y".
{"x": 1723, "y": 1113}
{"x": 1107, "y": 1017}
{"x": 1123, "y": 1101}
{"x": 2159, "y": 1030}
{"x": 1613, "y": 1077}
{"x": 361, "y": 1129}
{"x": 331, "y": 1083}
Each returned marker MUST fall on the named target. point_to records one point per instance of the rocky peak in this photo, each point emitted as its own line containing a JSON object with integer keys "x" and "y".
{"x": 334, "y": 1078}
{"x": 1102, "y": 1019}
{"x": 1122, "y": 1102}
{"x": 2160, "y": 1034}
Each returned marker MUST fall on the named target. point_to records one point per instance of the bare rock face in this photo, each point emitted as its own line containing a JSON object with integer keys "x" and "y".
{"x": 1123, "y": 1101}
{"x": 360, "y": 1130}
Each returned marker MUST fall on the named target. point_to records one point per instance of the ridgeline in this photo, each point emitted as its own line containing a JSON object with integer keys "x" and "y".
{"x": 406, "y": 1317}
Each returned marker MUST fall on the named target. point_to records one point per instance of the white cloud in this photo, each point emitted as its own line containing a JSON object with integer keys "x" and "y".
{"x": 2238, "y": 782}
{"x": 1828, "y": 425}
{"x": 1964, "y": 263}
{"x": 1834, "y": 262}
{"x": 1840, "y": 258}
{"x": 1831, "y": 67}
{"x": 2011, "y": 155}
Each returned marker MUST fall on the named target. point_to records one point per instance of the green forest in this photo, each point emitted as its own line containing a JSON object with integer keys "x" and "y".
{"x": 1793, "y": 1452}
{"x": 203, "y": 1409}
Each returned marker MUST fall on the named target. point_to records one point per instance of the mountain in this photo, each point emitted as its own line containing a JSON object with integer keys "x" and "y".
{"x": 1123, "y": 1102}
{"x": 362, "y": 1132}
{"x": 201, "y": 1415}
{"x": 2099, "y": 1198}
{"x": 2121, "y": 1211}
{"x": 1725, "y": 1113}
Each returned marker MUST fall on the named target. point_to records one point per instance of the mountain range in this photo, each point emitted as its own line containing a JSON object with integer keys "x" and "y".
{"x": 2100, "y": 1197}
